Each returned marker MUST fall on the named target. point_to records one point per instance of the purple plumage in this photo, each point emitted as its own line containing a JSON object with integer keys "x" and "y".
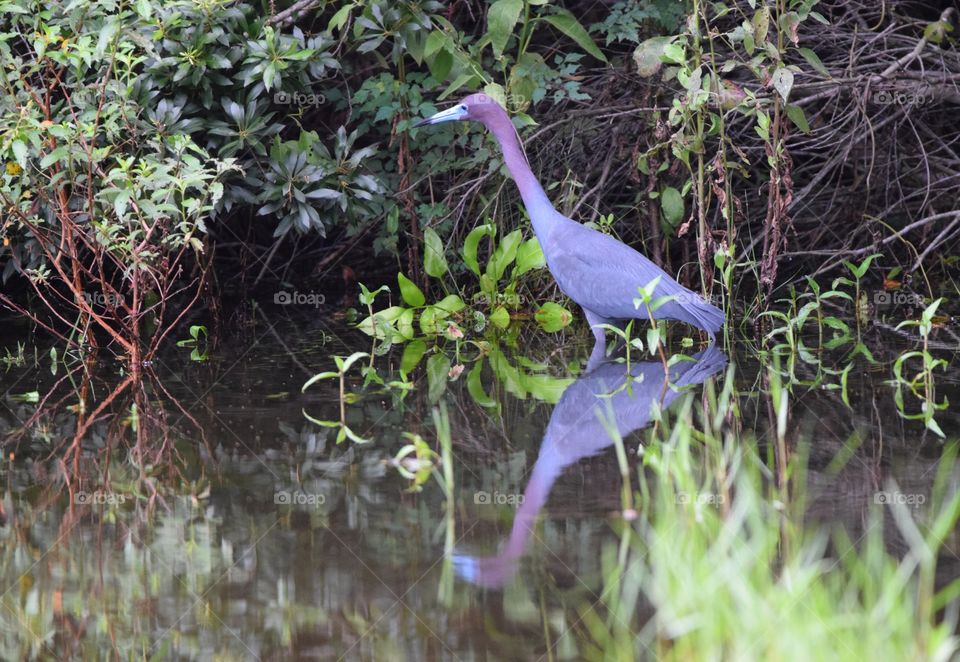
{"x": 599, "y": 273}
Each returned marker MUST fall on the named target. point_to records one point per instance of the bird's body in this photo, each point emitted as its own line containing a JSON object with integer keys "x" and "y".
{"x": 599, "y": 273}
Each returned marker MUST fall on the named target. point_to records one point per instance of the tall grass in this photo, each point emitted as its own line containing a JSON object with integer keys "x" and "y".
{"x": 725, "y": 566}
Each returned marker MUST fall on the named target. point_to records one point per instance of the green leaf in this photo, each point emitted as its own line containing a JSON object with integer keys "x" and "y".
{"x": 411, "y": 294}
{"x": 553, "y": 317}
{"x": 648, "y": 56}
{"x": 316, "y": 378}
{"x": 673, "y": 54}
{"x": 412, "y": 354}
{"x": 340, "y": 18}
{"x": 795, "y": 113}
{"x": 570, "y": 26}
{"x": 457, "y": 83}
{"x": 814, "y": 60}
{"x": 435, "y": 42}
{"x": 451, "y": 303}
{"x": 761, "y": 24}
{"x": 782, "y": 80}
{"x": 501, "y": 17}
{"x": 672, "y": 204}
{"x": 434, "y": 261}
{"x": 475, "y": 387}
{"x": 472, "y": 242}
{"x": 353, "y": 358}
{"x": 440, "y": 65}
{"x": 529, "y": 256}
{"x": 438, "y": 367}
{"x": 504, "y": 255}
{"x": 405, "y": 324}
{"x": 653, "y": 339}
{"x": 500, "y": 317}
{"x": 428, "y": 321}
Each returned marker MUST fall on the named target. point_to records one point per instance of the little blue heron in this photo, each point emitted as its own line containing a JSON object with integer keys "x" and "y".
{"x": 595, "y": 270}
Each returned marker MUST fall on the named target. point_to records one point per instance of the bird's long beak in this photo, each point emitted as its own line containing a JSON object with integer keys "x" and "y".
{"x": 448, "y": 115}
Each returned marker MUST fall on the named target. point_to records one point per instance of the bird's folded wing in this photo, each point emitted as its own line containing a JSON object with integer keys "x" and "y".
{"x": 604, "y": 275}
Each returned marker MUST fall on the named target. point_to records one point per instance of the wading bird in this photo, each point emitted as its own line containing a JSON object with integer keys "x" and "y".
{"x": 599, "y": 273}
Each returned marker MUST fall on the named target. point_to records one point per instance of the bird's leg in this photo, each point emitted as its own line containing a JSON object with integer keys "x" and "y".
{"x": 599, "y": 352}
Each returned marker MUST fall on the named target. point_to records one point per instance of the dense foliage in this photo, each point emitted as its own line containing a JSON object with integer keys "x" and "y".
{"x": 141, "y": 137}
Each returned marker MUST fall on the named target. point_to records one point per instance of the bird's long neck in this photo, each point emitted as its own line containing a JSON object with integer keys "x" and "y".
{"x": 542, "y": 213}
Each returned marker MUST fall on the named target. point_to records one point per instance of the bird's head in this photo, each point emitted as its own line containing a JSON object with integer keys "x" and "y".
{"x": 479, "y": 107}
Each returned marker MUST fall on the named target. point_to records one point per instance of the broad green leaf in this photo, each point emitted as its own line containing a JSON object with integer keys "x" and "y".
{"x": 653, "y": 339}
{"x": 340, "y": 18}
{"x": 440, "y": 65}
{"x": 411, "y": 294}
{"x": 405, "y": 324}
{"x": 795, "y": 113}
{"x": 428, "y": 321}
{"x": 761, "y": 24}
{"x": 673, "y": 53}
{"x": 545, "y": 387}
{"x": 501, "y": 17}
{"x": 435, "y": 42}
{"x": 570, "y": 26}
{"x": 783, "y": 82}
{"x": 472, "y": 242}
{"x": 452, "y": 303}
{"x": 412, "y": 354}
{"x": 648, "y": 56}
{"x": 434, "y": 261}
{"x": 529, "y": 256}
{"x": 672, "y": 204}
{"x": 500, "y": 317}
{"x": 504, "y": 255}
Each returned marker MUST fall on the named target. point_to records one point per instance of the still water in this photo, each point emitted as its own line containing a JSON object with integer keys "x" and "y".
{"x": 214, "y": 519}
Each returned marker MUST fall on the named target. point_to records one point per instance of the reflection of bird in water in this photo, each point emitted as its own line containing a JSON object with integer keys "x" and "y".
{"x": 602, "y": 275}
{"x": 576, "y": 430}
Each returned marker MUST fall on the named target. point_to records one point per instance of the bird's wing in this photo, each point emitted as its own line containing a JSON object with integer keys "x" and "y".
{"x": 604, "y": 275}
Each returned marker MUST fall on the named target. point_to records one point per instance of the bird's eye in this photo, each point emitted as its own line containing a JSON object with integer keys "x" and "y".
{"x": 463, "y": 107}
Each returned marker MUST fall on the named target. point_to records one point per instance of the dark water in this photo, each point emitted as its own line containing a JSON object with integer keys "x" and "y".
{"x": 236, "y": 529}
